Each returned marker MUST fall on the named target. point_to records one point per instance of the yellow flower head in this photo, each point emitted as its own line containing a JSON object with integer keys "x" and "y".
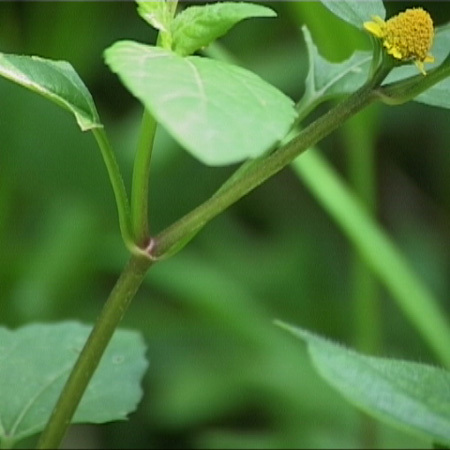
{"x": 407, "y": 36}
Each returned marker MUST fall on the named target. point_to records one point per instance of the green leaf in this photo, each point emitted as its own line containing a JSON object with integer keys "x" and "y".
{"x": 35, "y": 361}
{"x": 155, "y": 13}
{"x": 412, "y": 396}
{"x": 56, "y": 81}
{"x": 220, "y": 113}
{"x": 198, "y": 26}
{"x": 356, "y": 12}
{"x": 158, "y": 14}
{"x": 326, "y": 80}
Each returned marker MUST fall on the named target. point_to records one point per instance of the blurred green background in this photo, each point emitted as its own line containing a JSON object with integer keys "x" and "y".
{"x": 221, "y": 374}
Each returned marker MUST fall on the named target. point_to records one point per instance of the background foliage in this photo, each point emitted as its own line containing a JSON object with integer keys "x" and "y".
{"x": 221, "y": 374}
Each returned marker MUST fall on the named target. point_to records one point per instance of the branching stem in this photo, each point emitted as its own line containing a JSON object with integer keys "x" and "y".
{"x": 175, "y": 236}
{"x": 168, "y": 241}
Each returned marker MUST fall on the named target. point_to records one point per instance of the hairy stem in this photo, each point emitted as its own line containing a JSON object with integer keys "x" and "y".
{"x": 112, "y": 313}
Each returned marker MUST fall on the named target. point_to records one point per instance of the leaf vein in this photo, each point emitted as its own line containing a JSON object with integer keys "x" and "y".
{"x": 34, "y": 399}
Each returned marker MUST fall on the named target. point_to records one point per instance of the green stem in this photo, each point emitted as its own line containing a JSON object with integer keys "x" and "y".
{"x": 260, "y": 171}
{"x": 139, "y": 192}
{"x": 141, "y": 169}
{"x": 135, "y": 233}
{"x": 118, "y": 186}
{"x": 133, "y": 274}
{"x": 89, "y": 358}
{"x": 405, "y": 90}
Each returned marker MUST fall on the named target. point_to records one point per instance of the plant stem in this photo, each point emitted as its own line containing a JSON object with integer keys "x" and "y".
{"x": 89, "y": 358}
{"x": 139, "y": 192}
{"x": 260, "y": 171}
{"x": 120, "y": 193}
{"x": 405, "y": 90}
{"x": 180, "y": 232}
{"x": 141, "y": 169}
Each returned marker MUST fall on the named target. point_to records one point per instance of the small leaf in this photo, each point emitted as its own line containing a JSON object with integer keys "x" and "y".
{"x": 412, "y": 396}
{"x": 356, "y": 12}
{"x": 198, "y": 26}
{"x": 54, "y": 80}
{"x": 326, "y": 80}
{"x": 35, "y": 361}
{"x": 220, "y": 113}
{"x": 158, "y": 14}
{"x": 155, "y": 13}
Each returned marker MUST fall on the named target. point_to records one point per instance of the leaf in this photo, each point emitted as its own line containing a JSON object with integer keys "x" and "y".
{"x": 155, "y": 13}
{"x": 158, "y": 14}
{"x": 35, "y": 362}
{"x": 198, "y": 26}
{"x": 220, "y": 113}
{"x": 412, "y": 396}
{"x": 356, "y": 12}
{"x": 54, "y": 80}
{"x": 326, "y": 80}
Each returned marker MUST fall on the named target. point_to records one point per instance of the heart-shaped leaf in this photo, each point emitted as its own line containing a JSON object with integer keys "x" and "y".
{"x": 220, "y": 113}
{"x": 35, "y": 361}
